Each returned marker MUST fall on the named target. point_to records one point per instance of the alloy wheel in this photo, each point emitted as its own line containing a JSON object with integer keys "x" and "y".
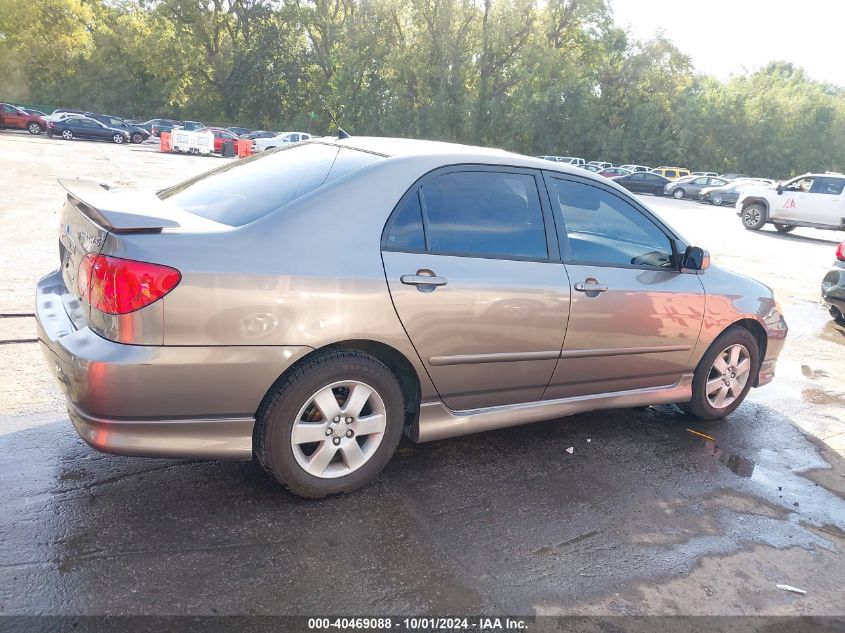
{"x": 752, "y": 216}
{"x": 34, "y": 128}
{"x": 717, "y": 200}
{"x": 118, "y": 138}
{"x": 728, "y": 376}
{"x": 338, "y": 429}
{"x": 678, "y": 194}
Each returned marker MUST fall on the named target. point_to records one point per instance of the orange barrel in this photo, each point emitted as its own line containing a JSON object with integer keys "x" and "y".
{"x": 164, "y": 138}
{"x": 244, "y": 147}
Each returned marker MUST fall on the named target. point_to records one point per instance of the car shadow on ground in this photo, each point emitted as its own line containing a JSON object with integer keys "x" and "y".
{"x": 792, "y": 237}
{"x": 505, "y": 520}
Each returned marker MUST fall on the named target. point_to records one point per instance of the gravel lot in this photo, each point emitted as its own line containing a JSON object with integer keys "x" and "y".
{"x": 643, "y": 518}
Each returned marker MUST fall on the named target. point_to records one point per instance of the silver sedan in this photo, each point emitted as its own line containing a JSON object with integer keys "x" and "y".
{"x": 309, "y": 305}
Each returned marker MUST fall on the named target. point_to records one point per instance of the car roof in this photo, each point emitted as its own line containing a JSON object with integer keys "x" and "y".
{"x": 453, "y": 153}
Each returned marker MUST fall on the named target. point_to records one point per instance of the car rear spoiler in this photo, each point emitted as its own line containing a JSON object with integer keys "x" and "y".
{"x": 120, "y": 211}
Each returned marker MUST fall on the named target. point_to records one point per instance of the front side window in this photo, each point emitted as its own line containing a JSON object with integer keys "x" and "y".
{"x": 700, "y": 181}
{"x": 603, "y": 229}
{"x": 670, "y": 173}
{"x": 800, "y": 184}
{"x": 485, "y": 213}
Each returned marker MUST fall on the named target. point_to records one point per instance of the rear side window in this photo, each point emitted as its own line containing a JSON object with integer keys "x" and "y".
{"x": 405, "y": 231}
{"x": 494, "y": 214}
{"x": 241, "y": 192}
{"x": 830, "y": 186}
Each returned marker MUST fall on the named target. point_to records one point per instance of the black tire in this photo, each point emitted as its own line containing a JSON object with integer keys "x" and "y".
{"x": 837, "y": 315}
{"x": 679, "y": 194}
{"x": 784, "y": 228}
{"x": 137, "y": 138}
{"x": 658, "y": 191}
{"x": 700, "y": 406}
{"x": 753, "y": 216}
{"x": 276, "y": 416}
{"x": 33, "y": 127}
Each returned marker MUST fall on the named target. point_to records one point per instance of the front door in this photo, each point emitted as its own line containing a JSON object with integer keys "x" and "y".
{"x": 796, "y": 202}
{"x": 471, "y": 261}
{"x": 634, "y": 317}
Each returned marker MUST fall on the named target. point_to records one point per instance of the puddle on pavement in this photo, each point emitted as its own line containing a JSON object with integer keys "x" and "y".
{"x": 737, "y": 464}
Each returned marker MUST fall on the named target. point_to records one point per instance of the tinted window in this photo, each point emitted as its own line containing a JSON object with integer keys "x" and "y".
{"x": 638, "y": 176}
{"x": 700, "y": 181}
{"x": 670, "y": 173}
{"x": 405, "y": 230}
{"x": 604, "y": 229}
{"x": 830, "y": 186}
{"x": 243, "y": 191}
{"x": 485, "y": 213}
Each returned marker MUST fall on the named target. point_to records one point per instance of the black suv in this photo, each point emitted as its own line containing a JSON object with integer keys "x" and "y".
{"x": 136, "y": 134}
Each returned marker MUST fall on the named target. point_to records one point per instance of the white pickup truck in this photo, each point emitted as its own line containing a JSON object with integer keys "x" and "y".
{"x": 813, "y": 200}
{"x": 260, "y": 144}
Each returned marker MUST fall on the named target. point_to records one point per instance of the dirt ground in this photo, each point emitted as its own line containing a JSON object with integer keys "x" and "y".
{"x": 642, "y": 518}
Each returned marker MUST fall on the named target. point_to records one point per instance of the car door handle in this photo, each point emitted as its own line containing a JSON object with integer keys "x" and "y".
{"x": 423, "y": 280}
{"x": 590, "y": 286}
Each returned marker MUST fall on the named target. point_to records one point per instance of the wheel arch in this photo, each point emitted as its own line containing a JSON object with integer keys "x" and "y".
{"x": 402, "y": 368}
{"x": 761, "y": 201}
{"x": 758, "y": 331}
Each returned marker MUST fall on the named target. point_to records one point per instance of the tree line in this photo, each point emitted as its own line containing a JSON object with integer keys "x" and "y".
{"x": 538, "y": 77}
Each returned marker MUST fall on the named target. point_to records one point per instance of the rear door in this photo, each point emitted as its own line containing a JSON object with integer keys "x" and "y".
{"x": 634, "y": 317}
{"x": 829, "y": 200}
{"x": 471, "y": 260}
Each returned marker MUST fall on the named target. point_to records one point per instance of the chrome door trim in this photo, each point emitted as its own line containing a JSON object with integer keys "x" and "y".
{"x": 501, "y": 357}
{"x": 437, "y": 422}
{"x": 623, "y": 351}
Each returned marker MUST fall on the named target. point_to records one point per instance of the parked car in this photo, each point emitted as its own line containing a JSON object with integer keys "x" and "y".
{"x": 643, "y": 182}
{"x": 192, "y": 126}
{"x": 283, "y": 138}
{"x": 220, "y": 135}
{"x": 83, "y": 127}
{"x": 212, "y": 345}
{"x": 554, "y": 159}
{"x": 725, "y": 194}
{"x": 732, "y": 176}
{"x": 690, "y": 186}
{"x": 137, "y": 134}
{"x": 156, "y": 126}
{"x": 615, "y": 172}
{"x": 636, "y": 167}
{"x": 259, "y": 134}
{"x": 67, "y": 110}
{"x": 16, "y": 118}
{"x": 600, "y": 164}
{"x": 591, "y": 168}
{"x": 672, "y": 173}
{"x": 33, "y": 111}
{"x": 812, "y": 200}
{"x": 60, "y": 116}
{"x": 704, "y": 173}
{"x": 833, "y": 287}
{"x": 239, "y": 131}
{"x": 572, "y": 160}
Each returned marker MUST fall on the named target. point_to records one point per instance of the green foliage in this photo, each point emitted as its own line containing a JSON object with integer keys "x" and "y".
{"x": 550, "y": 77}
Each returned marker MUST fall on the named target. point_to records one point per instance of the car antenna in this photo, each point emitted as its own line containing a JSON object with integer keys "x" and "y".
{"x": 341, "y": 133}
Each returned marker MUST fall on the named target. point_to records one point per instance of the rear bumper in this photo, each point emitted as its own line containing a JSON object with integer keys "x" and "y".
{"x": 767, "y": 372}
{"x": 157, "y": 401}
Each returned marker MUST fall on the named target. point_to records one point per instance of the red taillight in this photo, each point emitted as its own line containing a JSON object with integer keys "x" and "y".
{"x": 840, "y": 252}
{"x": 117, "y": 286}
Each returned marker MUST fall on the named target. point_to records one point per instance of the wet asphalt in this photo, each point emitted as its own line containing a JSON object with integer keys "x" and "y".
{"x": 502, "y": 522}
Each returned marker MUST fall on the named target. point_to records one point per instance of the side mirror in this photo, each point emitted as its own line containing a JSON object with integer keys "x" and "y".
{"x": 779, "y": 188}
{"x": 695, "y": 259}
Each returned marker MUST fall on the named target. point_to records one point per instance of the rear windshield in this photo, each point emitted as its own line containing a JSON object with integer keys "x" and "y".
{"x": 245, "y": 190}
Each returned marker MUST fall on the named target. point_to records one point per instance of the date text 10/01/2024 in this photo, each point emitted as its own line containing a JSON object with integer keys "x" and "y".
{"x": 492, "y": 624}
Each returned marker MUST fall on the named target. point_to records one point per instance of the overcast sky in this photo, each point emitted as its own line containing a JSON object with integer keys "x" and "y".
{"x": 725, "y": 37}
